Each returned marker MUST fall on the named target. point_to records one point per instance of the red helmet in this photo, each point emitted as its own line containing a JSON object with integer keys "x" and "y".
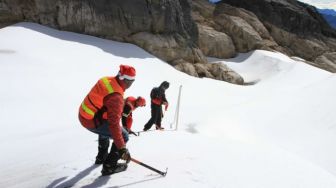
{"x": 140, "y": 101}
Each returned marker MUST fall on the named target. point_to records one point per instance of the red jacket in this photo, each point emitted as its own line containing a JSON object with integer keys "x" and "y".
{"x": 113, "y": 102}
{"x": 127, "y": 118}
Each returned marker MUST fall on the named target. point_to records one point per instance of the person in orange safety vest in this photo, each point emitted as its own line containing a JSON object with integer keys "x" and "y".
{"x": 101, "y": 111}
{"x": 131, "y": 103}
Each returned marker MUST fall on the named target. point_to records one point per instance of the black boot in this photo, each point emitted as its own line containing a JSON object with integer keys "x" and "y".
{"x": 111, "y": 164}
{"x": 103, "y": 145}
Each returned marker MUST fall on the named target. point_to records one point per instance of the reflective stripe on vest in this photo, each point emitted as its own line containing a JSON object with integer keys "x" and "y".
{"x": 87, "y": 109}
{"x": 107, "y": 85}
{"x": 103, "y": 87}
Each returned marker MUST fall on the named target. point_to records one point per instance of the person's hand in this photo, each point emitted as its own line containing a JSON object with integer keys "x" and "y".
{"x": 125, "y": 154}
{"x": 166, "y": 106}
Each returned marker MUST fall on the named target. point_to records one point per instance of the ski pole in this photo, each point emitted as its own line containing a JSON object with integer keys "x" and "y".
{"x": 149, "y": 167}
{"x": 138, "y": 132}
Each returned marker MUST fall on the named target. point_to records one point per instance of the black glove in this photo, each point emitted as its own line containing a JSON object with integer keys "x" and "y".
{"x": 125, "y": 154}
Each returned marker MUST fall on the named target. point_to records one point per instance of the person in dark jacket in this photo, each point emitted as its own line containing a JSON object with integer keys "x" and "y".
{"x": 100, "y": 113}
{"x": 158, "y": 98}
{"x": 131, "y": 103}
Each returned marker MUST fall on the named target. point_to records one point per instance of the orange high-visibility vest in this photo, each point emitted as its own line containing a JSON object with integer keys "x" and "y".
{"x": 94, "y": 100}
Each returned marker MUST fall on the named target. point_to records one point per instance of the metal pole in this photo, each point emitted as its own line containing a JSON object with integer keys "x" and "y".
{"x": 149, "y": 167}
{"x": 178, "y": 107}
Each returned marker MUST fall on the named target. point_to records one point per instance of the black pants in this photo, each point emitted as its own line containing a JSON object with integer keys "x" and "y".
{"x": 104, "y": 141}
{"x": 156, "y": 118}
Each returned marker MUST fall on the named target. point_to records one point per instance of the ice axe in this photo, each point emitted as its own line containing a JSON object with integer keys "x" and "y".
{"x": 149, "y": 167}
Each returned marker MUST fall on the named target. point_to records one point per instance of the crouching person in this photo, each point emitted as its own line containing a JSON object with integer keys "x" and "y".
{"x": 131, "y": 103}
{"x": 101, "y": 111}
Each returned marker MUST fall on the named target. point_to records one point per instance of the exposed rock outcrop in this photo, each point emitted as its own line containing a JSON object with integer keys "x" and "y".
{"x": 290, "y": 15}
{"x": 163, "y": 28}
{"x": 180, "y": 32}
{"x": 287, "y": 26}
{"x": 326, "y": 61}
{"x": 214, "y": 43}
{"x": 6, "y": 15}
{"x": 296, "y": 27}
{"x": 215, "y": 71}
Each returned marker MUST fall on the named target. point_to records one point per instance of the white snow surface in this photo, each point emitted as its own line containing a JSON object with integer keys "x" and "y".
{"x": 278, "y": 133}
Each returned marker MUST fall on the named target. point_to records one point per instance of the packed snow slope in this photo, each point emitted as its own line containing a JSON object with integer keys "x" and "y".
{"x": 279, "y": 132}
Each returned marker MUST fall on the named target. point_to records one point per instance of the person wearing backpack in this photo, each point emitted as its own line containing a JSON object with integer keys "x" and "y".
{"x": 158, "y": 98}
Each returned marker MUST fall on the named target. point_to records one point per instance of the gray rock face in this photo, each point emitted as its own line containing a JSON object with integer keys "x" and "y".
{"x": 135, "y": 21}
{"x": 223, "y": 72}
{"x": 119, "y": 19}
{"x": 202, "y": 12}
{"x": 214, "y": 43}
{"x": 295, "y": 28}
{"x": 244, "y": 36}
{"x": 307, "y": 48}
{"x": 6, "y": 16}
{"x": 241, "y": 26}
{"x": 250, "y": 18}
{"x": 287, "y": 26}
{"x": 290, "y": 15}
{"x": 181, "y": 31}
{"x": 187, "y": 68}
{"x": 327, "y": 61}
{"x": 163, "y": 28}
{"x": 167, "y": 47}
{"x": 215, "y": 71}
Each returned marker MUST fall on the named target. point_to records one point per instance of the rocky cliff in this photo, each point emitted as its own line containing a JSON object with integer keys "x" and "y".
{"x": 164, "y": 28}
{"x": 183, "y": 32}
{"x": 161, "y": 27}
{"x": 288, "y": 26}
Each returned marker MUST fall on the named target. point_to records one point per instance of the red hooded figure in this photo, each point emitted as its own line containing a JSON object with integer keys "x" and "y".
{"x": 131, "y": 103}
